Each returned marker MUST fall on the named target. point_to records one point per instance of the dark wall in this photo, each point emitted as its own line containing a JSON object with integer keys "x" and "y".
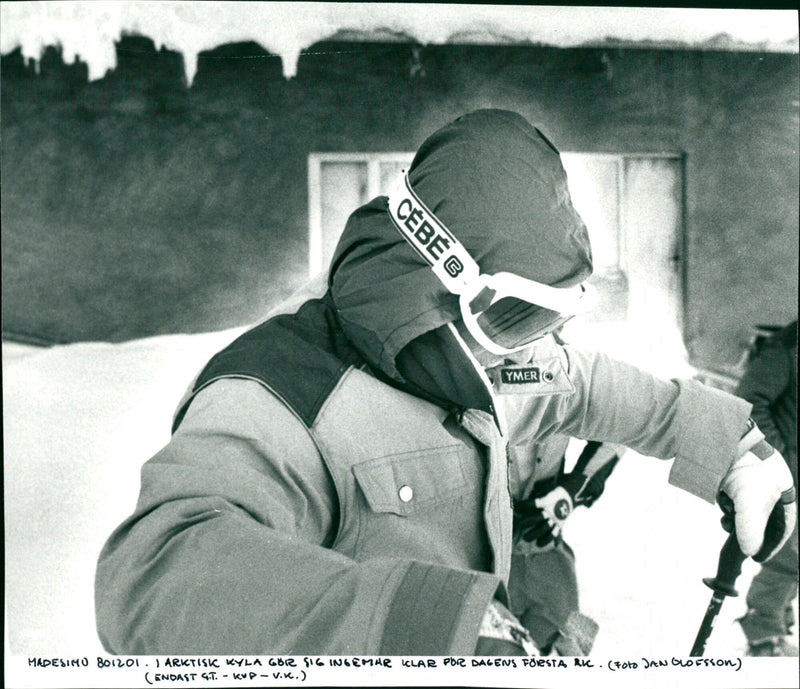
{"x": 134, "y": 205}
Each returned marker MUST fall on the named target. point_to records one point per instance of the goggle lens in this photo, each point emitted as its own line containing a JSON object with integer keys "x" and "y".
{"x": 512, "y": 322}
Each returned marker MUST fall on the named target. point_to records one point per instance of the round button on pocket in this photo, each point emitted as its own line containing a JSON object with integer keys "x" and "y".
{"x": 405, "y": 493}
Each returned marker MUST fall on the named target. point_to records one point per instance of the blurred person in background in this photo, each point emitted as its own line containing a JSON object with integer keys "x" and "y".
{"x": 770, "y": 385}
{"x": 337, "y": 480}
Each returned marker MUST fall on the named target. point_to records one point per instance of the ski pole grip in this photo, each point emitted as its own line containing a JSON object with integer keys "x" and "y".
{"x": 729, "y": 568}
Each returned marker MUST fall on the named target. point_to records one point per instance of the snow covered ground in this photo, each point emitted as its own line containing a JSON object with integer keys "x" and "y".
{"x": 78, "y": 422}
{"x": 80, "y": 419}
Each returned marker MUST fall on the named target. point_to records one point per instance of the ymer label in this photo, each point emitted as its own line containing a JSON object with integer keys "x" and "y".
{"x": 519, "y": 376}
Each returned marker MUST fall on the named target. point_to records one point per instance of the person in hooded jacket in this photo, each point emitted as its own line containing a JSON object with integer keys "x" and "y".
{"x": 770, "y": 384}
{"x": 337, "y": 480}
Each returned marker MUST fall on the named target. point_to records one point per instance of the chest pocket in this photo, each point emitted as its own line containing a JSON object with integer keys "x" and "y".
{"x": 425, "y": 505}
{"x": 405, "y": 483}
{"x": 409, "y": 478}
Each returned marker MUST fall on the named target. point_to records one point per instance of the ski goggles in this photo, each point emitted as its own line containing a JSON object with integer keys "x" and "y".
{"x": 503, "y": 312}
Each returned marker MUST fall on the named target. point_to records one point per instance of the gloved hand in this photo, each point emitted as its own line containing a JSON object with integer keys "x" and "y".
{"x": 502, "y": 634}
{"x": 540, "y": 518}
{"x": 757, "y": 497}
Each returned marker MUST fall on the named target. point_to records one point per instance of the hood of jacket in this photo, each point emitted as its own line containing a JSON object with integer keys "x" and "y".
{"x": 498, "y": 184}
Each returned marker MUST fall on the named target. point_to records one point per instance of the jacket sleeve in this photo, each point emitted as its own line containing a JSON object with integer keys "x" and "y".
{"x": 615, "y": 402}
{"x": 766, "y": 378}
{"x": 227, "y": 552}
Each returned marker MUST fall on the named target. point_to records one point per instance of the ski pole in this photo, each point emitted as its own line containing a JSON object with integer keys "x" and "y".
{"x": 729, "y": 568}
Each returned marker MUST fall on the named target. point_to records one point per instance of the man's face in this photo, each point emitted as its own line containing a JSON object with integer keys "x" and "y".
{"x": 488, "y": 359}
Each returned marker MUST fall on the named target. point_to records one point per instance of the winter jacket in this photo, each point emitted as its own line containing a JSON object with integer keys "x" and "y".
{"x": 338, "y": 478}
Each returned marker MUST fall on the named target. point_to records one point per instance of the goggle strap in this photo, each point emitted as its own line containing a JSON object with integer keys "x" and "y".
{"x": 431, "y": 239}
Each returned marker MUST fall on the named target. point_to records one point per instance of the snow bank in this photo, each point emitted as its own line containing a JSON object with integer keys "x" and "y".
{"x": 78, "y": 422}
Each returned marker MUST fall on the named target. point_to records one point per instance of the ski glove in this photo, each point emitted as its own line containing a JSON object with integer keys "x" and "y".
{"x": 757, "y": 497}
{"x": 540, "y": 518}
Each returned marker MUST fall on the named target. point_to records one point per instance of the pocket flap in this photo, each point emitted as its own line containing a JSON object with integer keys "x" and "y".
{"x": 402, "y": 483}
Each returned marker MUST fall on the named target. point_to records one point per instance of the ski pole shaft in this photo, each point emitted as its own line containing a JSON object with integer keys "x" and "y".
{"x": 707, "y": 625}
{"x": 729, "y": 568}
